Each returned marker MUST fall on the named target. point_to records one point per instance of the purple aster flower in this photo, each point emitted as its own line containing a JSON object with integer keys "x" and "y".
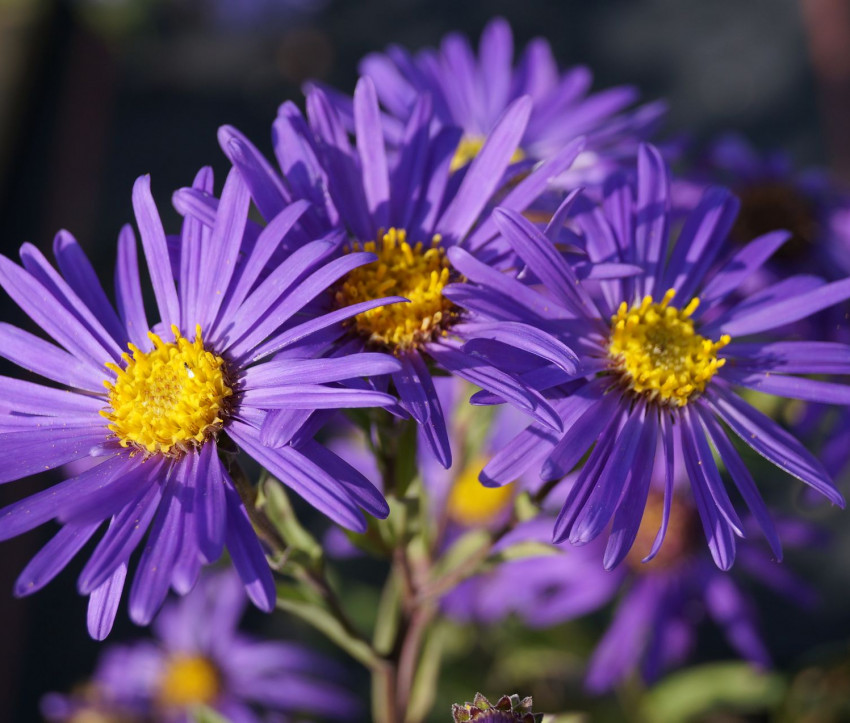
{"x": 471, "y": 92}
{"x": 661, "y": 604}
{"x": 199, "y": 658}
{"x": 231, "y": 364}
{"x": 409, "y": 209}
{"x": 661, "y": 353}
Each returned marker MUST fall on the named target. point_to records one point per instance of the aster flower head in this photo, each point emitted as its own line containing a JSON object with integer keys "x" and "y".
{"x": 470, "y": 91}
{"x": 231, "y": 364}
{"x": 198, "y": 657}
{"x": 661, "y": 352}
{"x": 410, "y": 209}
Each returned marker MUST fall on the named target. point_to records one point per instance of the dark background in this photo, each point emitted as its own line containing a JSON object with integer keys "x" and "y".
{"x": 93, "y": 94}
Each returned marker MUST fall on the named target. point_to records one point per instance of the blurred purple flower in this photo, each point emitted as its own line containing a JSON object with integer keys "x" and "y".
{"x": 199, "y": 658}
{"x": 471, "y": 92}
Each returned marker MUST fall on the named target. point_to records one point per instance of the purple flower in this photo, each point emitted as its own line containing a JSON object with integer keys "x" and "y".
{"x": 660, "y": 354}
{"x": 471, "y": 93}
{"x": 409, "y": 209}
{"x": 231, "y": 364}
{"x": 199, "y": 658}
{"x": 660, "y": 605}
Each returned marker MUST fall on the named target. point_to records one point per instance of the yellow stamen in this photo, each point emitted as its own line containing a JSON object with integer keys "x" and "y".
{"x": 469, "y": 147}
{"x": 654, "y": 349}
{"x": 169, "y": 399}
{"x": 418, "y": 273}
{"x": 472, "y": 504}
{"x": 188, "y": 680}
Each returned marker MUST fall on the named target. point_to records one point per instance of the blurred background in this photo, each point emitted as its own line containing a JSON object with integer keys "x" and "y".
{"x": 94, "y": 93}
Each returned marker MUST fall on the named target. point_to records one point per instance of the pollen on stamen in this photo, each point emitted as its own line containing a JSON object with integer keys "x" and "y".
{"x": 170, "y": 399}
{"x": 416, "y": 272}
{"x": 655, "y": 351}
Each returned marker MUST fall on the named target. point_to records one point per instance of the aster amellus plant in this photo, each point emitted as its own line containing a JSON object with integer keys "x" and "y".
{"x": 162, "y": 420}
{"x": 462, "y": 324}
{"x": 662, "y": 352}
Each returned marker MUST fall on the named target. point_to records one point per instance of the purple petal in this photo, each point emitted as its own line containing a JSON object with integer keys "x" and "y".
{"x": 194, "y": 240}
{"x": 304, "y": 477}
{"x": 653, "y": 200}
{"x": 743, "y": 480}
{"x": 103, "y": 604}
{"x": 372, "y": 152}
{"x": 486, "y": 171}
{"x": 525, "y": 337}
{"x": 53, "y": 557}
{"x": 772, "y": 442}
{"x": 319, "y": 371}
{"x": 123, "y": 536}
{"x": 314, "y": 396}
{"x": 792, "y": 357}
{"x": 156, "y": 251}
{"x": 29, "y": 398}
{"x": 247, "y": 555}
{"x": 210, "y": 508}
{"x": 811, "y": 390}
{"x": 23, "y": 453}
{"x": 128, "y": 290}
{"x": 81, "y": 277}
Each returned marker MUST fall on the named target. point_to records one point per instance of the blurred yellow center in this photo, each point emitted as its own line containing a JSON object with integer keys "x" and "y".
{"x": 168, "y": 399}
{"x": 188, "y": 680}
{"x": 469, "y": 147}
{"x": 654, "y": 349}
{"x": 472, "y": 504}
{"x": 418, "y": 273}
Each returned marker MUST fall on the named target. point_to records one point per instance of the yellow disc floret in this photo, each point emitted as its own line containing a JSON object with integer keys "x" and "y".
{"x": 656, "y": 352}
{"x": 418, "y": 272}
{"x": 169, "y": 399}
{"x": 188, "y": 680}
{"x": 472, "y": 504}
{"x": 469, "y": 147}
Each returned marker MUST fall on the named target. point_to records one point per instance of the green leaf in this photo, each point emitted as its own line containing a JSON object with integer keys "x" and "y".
{"x": 735, "y": 686}
{"x": 308, "y": 606}
{"x": 427, "y": 674}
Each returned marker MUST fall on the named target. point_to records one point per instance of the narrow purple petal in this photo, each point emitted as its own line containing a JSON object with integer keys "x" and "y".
{"x": 734, "y": 613}
{"x": 792, "y": 357}
{"x": 524, "y": 337}
{"x": 30, "y": 398}
{"x": 372, "y": 151}
{"x": 194, "y": 240}
{"x": 156, "y": 251}
{"x": 81, "y": 277}
{"x": 743, "y": 481}
{"x": 319, "y": 371}
{"x": 128, "y": 290}
{"x": 810, "y": 390}
{"x": 668, "y": 450}
{"x": 103, "y": 604}
{"x": 435, "y": 429}
{"x": 53, "y": 557}
{"x": 653, "y": 200}
{"x": 23, "y": 453}
{"x": 123, "y": 536}
{"x": 486, "y": 171}
{"x": 314, "y": 396}
{"x": 304, "y": 477}
{"x": 411, "y": 391}
{"x": 210, "y": 508}
{"x": 772, "y": 442}
{"x": 247, "y": 555}
{"x": 786, "y": 310}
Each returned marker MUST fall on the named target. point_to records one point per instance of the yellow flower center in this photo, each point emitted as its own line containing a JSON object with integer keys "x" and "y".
{"x": 472, "y": 504}
{"x": 418, "y": 273}
{"x": 469, "y": 147}
{"x": 656, "y": 352}
{"x": 169, "y": 399}
{"x": 188, "y": 680}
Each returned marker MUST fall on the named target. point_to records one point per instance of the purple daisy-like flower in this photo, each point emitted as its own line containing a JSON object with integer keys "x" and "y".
{"x": 662, "y": 603}
{"x": 200, "y": 658}
{"x": 660, "y": 355}
{"x": 230, "y": 365}
{"x": 409, "y": 208}
{"x": 471, "y": 92}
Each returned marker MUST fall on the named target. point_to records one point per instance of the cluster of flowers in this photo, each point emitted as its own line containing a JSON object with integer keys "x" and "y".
{"x": 466, "y": 217}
